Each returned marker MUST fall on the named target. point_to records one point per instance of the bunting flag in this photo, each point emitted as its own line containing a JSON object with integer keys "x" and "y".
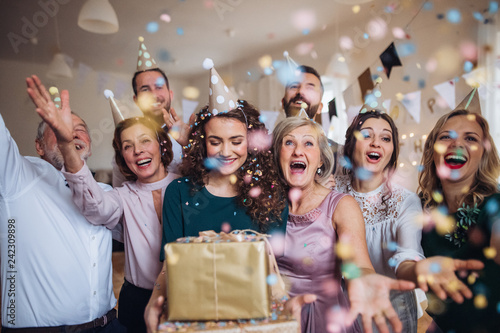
{"x": 269, "y": 118}
{"x": 389, "y": 59}
{"x": 365, "y": 82}
{"x": 412, "y": 104}
{"x": 332, "y": 109}
{"x": 447, "y": 91}
{"x": 188, "y": 108}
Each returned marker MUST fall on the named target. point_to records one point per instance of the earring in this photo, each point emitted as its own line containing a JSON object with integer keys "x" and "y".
{"x": 318, "y": 171}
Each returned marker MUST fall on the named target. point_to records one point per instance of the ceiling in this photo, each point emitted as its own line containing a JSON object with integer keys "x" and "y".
{"x": 228, "y": 31}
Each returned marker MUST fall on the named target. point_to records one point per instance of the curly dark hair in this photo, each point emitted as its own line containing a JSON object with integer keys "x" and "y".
{"x": 162, "y": 136}
{"x": 350, "y": 146}
{"x": 259, "y": 165}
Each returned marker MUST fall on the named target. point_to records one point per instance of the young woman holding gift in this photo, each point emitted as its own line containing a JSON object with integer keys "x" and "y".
{"x": 143, "y": 152}
{"x": 319, "y": 221}
{"x": 229, "y": 183}
{"x": 461, "y": 179}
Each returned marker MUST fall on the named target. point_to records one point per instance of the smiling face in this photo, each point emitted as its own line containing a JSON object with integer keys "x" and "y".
{"x": 306, "y": 88}
{"x": 374, "y": 146}
{"x": 153, "y": 94}
{"x": 459, "y": 147}
{"x": 49, "y": 150}
{"x": 141, "y": 151}
{"x": 300, "y": 157}
{"x": 226, "y": 141}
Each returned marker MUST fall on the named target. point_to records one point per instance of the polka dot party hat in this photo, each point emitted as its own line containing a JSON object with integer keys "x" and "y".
{"x": 144, "y": 61}
{"x": 220, "y": 98}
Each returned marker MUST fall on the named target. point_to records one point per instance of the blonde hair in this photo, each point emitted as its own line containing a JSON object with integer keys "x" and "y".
{"x": 486, "y": 175}
{"x": 326, "y": 155}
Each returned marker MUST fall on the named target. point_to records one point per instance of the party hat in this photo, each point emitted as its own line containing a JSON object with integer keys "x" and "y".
{"x": 115, "y": 110}
{"x": 144, "y": 61}
{"x": 470, "y": 102}
{"x": 220, "y": 98}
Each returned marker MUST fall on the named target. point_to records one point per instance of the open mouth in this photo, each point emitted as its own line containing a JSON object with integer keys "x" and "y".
{"x": 454, "y": 161}
{"x": 373, "y": 156}
{"x": 144, "y": 162}
{"x": 297, "y": 166}
{"x": 78, "y": 147}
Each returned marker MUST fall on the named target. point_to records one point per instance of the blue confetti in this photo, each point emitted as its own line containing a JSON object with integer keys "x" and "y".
{"x": 262, "y": 118}
{"x": 428, "y": 5}
{"x": 478, "y": 16}
{"x": 406, "y": 49}
{"x": 421, "y": 83}
{"x": 268, "y": 71}
{"x": 305, "y": 31}
{"x": 498, "y": 307}
{"x": 152, "y": 27}
{"x": 366, "y": 36}
{"x": 160, "y": 82}
{"x": 274, "y": 316}
{"x": 491, "y": 207}
{"x": 493, "y": 7}
{"x": 180, "y": 31}
{"x": 406, "y": 78}
{"x": 211, "y": 163}
{"x": 468, "y": 66}
{"x": 164, "y": 55}
{"x": 454, "y": 174}
{"x": 420, "y": 168}
{"x": 271, "y": 279}
{"x": 380, "y": 69}
{"x": 392, "y": 262}
{"x": 453, "y": 16}
{"x": 363, "y": 174}
{"x": 453, "y": 134}
{"x": 435, "y": 267}
{"x": 392, "y": 246}
{"x": 345, "y": 162}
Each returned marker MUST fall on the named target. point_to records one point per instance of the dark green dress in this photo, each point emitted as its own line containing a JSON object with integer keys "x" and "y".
{"x": 185, "y": 214}
{"x": 466, "y": 317}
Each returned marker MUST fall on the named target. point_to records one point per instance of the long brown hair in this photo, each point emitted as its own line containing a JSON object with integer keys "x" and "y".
{"x": 486, "y": 175}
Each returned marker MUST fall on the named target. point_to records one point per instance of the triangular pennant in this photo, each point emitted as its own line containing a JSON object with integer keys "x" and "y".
{"x": 332, "y": 108}
{"x": 389, "y": 59}
{"x": 365, "y": 82}
{"x": 412, "y": 104}
{"x": 447, "y": 91}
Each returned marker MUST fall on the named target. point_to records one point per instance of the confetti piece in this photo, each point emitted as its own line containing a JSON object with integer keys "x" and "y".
{"x": 480, "y": 301}
{"x": 454, "y": 16}
{"x": 363, "y": 174}
{"x": 226, "y": 227}
{"x": 439, "y": 148}
{"x": 294, "y": 194}
{"x": 435, "y": 268}
{"x": 392, "y": 246}
{"x": 493, "y": 8}
{"x": 350, "y": 271}
{"x": 152, "y": 27}
{"x": 165, "y": 18}
{"x": 211, "y": 163}
{"x": 490, "y": 252}
{"x": 53, "y": 90}
{"x": 180, "y": 31}
{"x": 271, "y": 279}
{"x": 344, "y": 250}
{"x": 255, "y": 192}
{"x": 356, "y": 9}
{"x": 233, "y": 179}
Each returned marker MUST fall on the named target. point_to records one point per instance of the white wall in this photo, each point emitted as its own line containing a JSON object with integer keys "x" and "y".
{"x": 86, "y": 99}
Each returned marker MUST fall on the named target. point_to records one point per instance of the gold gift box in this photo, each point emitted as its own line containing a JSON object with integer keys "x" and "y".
{"x": 217, "y": 280}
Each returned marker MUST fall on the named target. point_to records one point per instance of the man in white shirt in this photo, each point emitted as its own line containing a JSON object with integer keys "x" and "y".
{"x": 55, "y": 267}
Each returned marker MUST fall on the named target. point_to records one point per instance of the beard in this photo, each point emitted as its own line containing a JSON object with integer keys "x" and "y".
{"x": 292, "y": 110}
{"x": 54, "y": 156}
